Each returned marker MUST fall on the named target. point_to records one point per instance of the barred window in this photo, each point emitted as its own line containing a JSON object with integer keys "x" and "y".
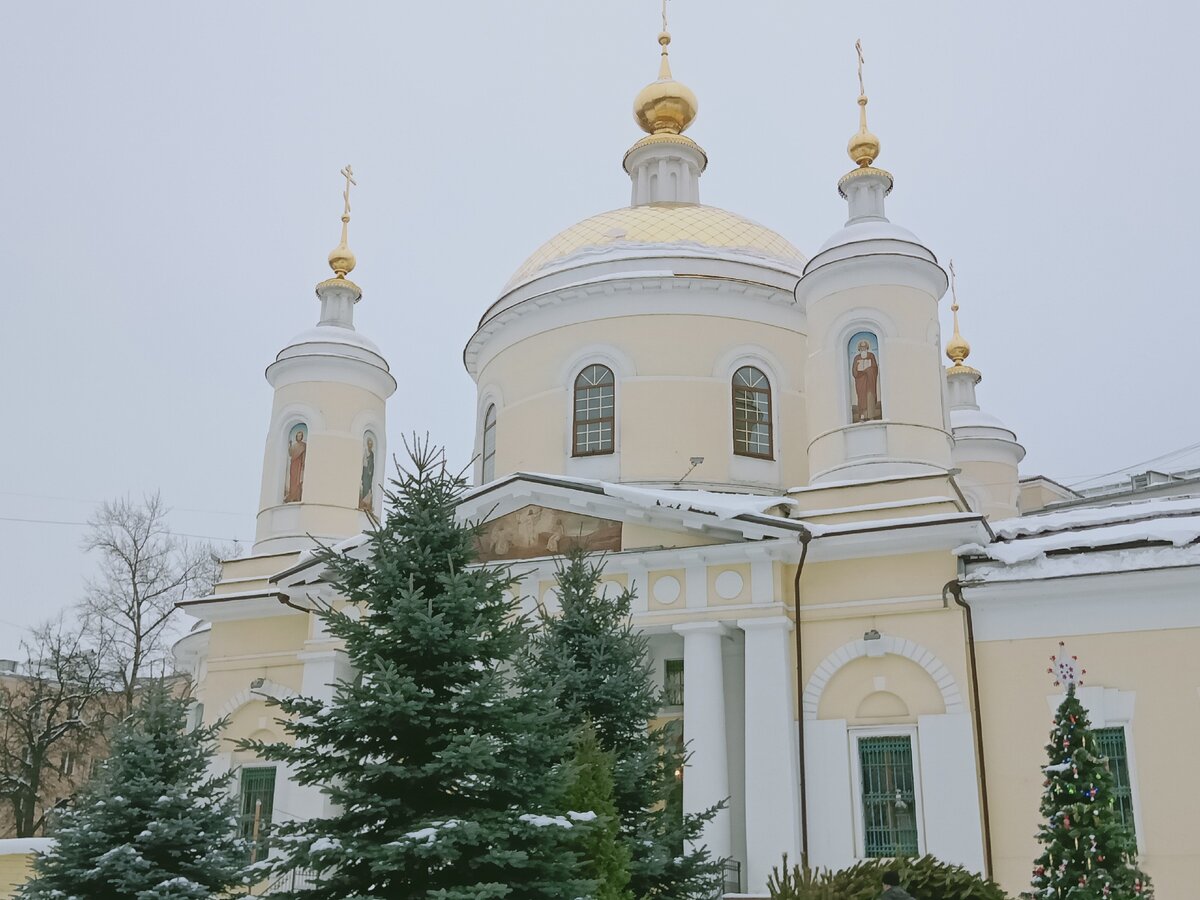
{"x": 673, "y": 682}
{"x": 595, "y": 400}
{"x": 752, "y": 414}
{"x": 489, "y": 445}
{"x": 257, "y": 802}
{"x": 889, "y": 803}
{"x": 1111, "y": 744}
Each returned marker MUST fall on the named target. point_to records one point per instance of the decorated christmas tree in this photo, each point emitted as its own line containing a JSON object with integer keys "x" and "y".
{"x": 443, "y": 775}
{"x": 153, "y": 824}
{"x": 1087, "y": 852}
{"x": 597, "y": 667}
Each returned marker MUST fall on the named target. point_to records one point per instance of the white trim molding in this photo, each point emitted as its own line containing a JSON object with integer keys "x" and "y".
{"x": 250, "y": 694}
{"x": 885, "y": 644}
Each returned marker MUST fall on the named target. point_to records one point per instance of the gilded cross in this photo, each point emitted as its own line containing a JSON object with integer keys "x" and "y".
{"x": 348, "y": 174}
{"x": 953, "y": 291}
{"x": 858, "y": 48}
{"x": 664, "y": 14}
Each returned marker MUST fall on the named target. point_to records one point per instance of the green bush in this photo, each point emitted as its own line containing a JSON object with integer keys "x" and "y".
{"x": 926, "y": 878}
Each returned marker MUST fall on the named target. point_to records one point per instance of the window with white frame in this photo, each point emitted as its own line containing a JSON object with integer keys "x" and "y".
{"x": 887, "y": 793}
{"x": 595, "y": 411}
{"x": 489, "y": 445}
{"x": 752, "y": 413}
{"x": 1112, "y": 746}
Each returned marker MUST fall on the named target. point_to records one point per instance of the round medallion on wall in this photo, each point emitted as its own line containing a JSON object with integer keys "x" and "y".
{"x": 666, "y": 590}
{"x": 729, "y": 584}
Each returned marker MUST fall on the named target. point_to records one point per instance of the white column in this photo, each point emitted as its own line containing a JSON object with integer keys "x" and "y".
{"x": 322, "y": 670}
{"x": 706, "y": 778}
{"x": 772, "y": 788}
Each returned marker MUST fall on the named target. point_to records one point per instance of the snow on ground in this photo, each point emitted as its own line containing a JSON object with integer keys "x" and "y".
{"x": 24, "y": 846}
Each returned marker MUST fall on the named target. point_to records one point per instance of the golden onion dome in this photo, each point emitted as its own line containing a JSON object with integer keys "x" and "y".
{"x": 665, "y": 106}
{"x": 864, "y": 145}
{"x": 341, "y": 257}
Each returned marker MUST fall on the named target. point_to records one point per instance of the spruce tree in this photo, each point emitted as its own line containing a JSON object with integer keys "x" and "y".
{"x": 153, "y": 824}
{"x": 440, "y": 771}
{"x": 1087, "y": 852}
{"x": 605, "y": 856}
{"x": 597, "y": 667}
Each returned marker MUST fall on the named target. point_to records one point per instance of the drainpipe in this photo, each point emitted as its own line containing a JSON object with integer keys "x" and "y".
{"x": 955, "y": 588}
{"x": 805, "y": 537}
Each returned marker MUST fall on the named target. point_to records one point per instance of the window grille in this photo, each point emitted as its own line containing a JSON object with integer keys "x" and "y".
{"x": 752, "y": 413}
{"x": 489, "y": 445}
{"x": 258, "y": 786}
{"x": 1110, "y": 742}
{"x": 595, "y": 403}
{"x": 888, "y": 796}
{"x": 673, "y": 682}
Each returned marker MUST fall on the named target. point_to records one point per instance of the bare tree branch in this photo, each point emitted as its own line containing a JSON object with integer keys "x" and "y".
{"x": 144, "y": 571}
{"x": 50, "y": 708}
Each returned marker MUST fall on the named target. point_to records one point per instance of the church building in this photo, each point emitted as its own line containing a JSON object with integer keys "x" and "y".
{"x": 850, "y": 591}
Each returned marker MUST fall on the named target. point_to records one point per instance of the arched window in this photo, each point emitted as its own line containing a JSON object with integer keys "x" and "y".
{"x": 752, "y": 414}
{"x": 594, "y": 411}
{"x": 489, "y": 445}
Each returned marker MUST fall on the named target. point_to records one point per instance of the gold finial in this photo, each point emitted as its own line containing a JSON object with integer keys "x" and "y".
{"x": 864, "y": 146}
{"x": 341, "y": 257}
{"x": 957, "y": 349}
{"x": 665, "y": 106}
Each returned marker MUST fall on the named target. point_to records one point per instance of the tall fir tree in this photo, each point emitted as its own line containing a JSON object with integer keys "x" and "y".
{"x": 597, "y": 667}
{"x": 1088, "y": 854}
{"x": 153, "y": 824}
{"x": 605, "y": 856}
{"x": 442, "y": 774}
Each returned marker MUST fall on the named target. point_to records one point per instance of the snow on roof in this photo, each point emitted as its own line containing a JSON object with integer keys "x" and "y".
{"x": 1092, "y": 516}
{"x": 1038, "y": 545}
{"x": 723, "y": 506}
{"x": 24, "y": 846}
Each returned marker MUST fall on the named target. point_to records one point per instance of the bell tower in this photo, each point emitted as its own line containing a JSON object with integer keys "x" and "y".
{"x": 871, "y": 296}
{"x": 326, "y": 442}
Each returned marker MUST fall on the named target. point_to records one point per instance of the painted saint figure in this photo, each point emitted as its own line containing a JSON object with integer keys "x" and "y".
{"x": 293, "y": 487}
{"x": 366, "y": 490}
{"x": 864, "y": 370}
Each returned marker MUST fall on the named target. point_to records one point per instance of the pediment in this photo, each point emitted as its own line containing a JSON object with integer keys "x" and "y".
{"x": 535, "y": 530}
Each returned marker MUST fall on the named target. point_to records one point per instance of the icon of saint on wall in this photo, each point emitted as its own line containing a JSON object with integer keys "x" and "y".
{"x": 865, "y": 405}
{"x": 366, "y": 489}
{"x": 293, "y": 484}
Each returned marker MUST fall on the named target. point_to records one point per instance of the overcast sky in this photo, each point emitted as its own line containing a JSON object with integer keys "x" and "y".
{"x": 170, "y": 191}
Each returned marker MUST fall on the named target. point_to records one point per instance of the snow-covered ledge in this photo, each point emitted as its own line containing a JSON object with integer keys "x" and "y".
{"x": 24, "y": 846}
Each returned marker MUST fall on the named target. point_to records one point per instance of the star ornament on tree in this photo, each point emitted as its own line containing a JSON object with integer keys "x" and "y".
{"x": 1066, "y": 668}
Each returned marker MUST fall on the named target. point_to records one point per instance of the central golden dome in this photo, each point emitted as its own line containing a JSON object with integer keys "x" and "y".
{"x": 665, "y": 106}
{"x": 672, "y": 228}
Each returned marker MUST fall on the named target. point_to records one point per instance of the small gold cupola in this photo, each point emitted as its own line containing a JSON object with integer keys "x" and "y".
{"x": 341, "y": 257}
{"x": 958, "y": 348}
{"x": 864, "y": 145}
{"x": 665, "y": 106}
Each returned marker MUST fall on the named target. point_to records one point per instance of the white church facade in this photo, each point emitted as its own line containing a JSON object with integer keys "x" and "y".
{"x": 850, "y": 591}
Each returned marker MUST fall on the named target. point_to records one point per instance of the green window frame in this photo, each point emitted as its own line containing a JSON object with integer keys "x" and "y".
{"x": 1111, "y": 743}
{"x": 673, "y": 682}
{"x": 889, "y": 800}
{"x": 257, "y": 785}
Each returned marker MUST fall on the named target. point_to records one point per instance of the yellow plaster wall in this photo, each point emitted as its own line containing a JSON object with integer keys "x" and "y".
{"x": 1163, "y": 668}
{"x": 873, "y": 492}
{"x": 743, "y": 596}
{"x": 994, "y": 483}
{"x": 850, "y": 694}
{"x": 637, "y": 537}
{"x": 674, "y": 390}
{"x": 15, "y": 869}
{"x": 882, "y": 577}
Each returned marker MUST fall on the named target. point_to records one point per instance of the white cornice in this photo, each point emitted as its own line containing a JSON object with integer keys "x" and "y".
{"x": 676, "y": 291}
